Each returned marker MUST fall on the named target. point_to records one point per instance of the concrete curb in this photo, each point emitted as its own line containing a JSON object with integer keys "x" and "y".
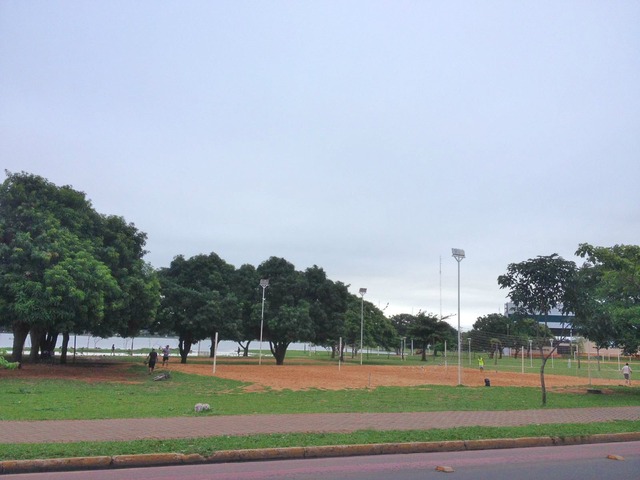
{"x": 227, "y": 456}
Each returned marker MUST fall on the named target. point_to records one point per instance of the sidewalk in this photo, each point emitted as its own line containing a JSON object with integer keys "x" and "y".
{"x": 50, "y": 431}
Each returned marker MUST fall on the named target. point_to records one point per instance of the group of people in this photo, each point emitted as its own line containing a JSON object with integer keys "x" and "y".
{"x": 152, "y": 358}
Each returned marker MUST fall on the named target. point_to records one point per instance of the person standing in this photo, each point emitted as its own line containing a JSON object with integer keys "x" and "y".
{"x": 165, "y": 355}
{"x": 481, "y": 363}
{"x": 626, "y": 373}
{"x": 151, "y": 360}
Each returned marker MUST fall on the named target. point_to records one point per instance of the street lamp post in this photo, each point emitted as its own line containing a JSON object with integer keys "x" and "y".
{"x": 458, "y": 254}
{"x": 264, "y": 283}
{"x": 362, "y": 292}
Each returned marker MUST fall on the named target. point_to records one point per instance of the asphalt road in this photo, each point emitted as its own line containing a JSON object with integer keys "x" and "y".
{"x": 579, "y": 462}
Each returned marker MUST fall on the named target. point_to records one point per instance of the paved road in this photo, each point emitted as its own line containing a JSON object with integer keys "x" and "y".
{"x": 204, "y": 426}
{"x": 581, "y": 462}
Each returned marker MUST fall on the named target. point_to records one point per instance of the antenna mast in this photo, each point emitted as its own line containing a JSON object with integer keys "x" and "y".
{"x": 440, "y": 287}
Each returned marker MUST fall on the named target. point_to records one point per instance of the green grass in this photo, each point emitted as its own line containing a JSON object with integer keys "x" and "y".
{"x": 207, "y": 446}
{"x": 70, "y": 399}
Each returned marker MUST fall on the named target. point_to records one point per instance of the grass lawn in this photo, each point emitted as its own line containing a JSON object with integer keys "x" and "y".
{"x": 72, "y": 399}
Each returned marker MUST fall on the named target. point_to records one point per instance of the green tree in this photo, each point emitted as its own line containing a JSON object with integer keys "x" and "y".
{"x": 197, "y": 301}
{"x": 425, "y": 329}
{"x": 60, "y": 268}
{"x": 121, "y": 248}
{"x": 245, "y": 287}
{"x": 287, "y": 311}
{"x": 379, "y": 331}
{"x": 608, "y": 296}
{"x": 328, "y": 302}
{"x": 493, "y": 326}
{"x": 499, "y": 330}
{"x": 401, "y": 322}
{"x": 538, "y": 285}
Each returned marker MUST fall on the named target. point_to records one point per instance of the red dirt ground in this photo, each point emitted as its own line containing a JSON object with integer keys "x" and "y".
{"x": 299, "y": 377}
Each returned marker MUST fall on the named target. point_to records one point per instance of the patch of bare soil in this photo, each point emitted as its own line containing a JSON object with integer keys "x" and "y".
{"x": 87, "y": 370}
{"x": 300, "y": 377}
{"x": 303, "y": 376}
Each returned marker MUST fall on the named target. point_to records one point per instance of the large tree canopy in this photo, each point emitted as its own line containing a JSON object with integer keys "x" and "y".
{"x": 65, "y": 268}
{"x": 429, "y": 329}
{"x": 197, "y": 300}
{"x": 538, "y": 285}
{"x": 287, "y": 314}
{"x": 608, "y": 293}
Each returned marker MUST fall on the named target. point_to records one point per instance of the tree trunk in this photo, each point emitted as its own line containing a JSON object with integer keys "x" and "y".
{"x": 212, "y": 349}
{"x": 20, "y": 332}
{"x": 48, "y": 345}
{"x": 544, "y": 362}
{"x": 279, "y": 350}
{"x": 245, "y": 348}
{"x": 184, "y": 346}
{"x": 64, "y": 348}
{"x": 542, "y": 384}
{"x": 36, "y": 338}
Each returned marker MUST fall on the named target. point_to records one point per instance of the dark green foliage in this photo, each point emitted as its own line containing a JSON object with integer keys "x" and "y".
{"x": 608, "y": 296}
{"x": 66, "y": 268}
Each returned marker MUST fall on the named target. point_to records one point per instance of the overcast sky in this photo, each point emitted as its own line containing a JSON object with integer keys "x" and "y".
{"x": 365, "y": 137}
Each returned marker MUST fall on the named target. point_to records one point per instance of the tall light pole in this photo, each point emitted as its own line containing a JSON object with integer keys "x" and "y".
{"x": 458, "y": 254}
{"x": 362, "y": 292}
{"x": 264, "y": 283}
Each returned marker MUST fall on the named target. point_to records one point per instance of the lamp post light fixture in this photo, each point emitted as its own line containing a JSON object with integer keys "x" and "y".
{"x": 362, "y": 292}
{"x": 264, "y": 283}
{"x": 458, "y": 254}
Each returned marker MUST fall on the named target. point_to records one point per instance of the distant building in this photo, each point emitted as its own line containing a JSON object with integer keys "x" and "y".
{"x": 562, "y": 328}
{"x": 559, "y": 324}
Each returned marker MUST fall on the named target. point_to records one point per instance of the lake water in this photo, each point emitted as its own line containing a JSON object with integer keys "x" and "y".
{"x": 225, "y": 348}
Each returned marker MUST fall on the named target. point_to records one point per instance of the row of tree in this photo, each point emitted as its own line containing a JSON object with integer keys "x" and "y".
{"x": 65, "y": 268}
{"x": 203, "y": 296}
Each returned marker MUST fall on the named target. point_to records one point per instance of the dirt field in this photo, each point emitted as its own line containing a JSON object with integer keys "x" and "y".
{"x": 298, "y": 377}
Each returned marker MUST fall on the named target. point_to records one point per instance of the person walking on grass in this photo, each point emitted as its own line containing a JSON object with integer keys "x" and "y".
{"x": 165, "y": 355}
{"x": 626, "y": 373}
{"x": 151, "y": 360}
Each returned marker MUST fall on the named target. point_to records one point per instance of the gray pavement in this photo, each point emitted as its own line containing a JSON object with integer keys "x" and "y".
{"x": 210, "y": 425}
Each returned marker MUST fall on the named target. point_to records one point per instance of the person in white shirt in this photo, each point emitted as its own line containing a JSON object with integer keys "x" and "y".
{"x": 626, "y": 373}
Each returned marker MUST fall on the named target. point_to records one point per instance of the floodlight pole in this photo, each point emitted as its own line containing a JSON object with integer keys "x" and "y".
{"x": 264, "y": 283}
{"x": 458, "y": 254}
{"x": 362, "y": 292}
